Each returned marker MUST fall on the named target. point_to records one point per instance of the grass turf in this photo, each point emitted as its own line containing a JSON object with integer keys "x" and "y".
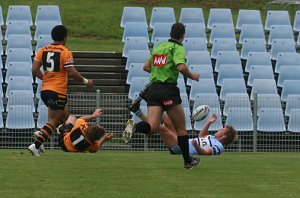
{"x": 147, "y": 174}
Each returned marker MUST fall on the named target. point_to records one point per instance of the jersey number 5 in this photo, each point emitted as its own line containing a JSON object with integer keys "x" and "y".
{"x": 51, "y": 61}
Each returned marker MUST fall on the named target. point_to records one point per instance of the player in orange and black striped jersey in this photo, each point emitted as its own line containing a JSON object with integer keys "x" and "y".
{"x": 58, "y": 63}
{"x": 78, "y": 136}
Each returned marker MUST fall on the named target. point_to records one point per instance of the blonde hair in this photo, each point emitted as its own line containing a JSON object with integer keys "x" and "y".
{"x": 231, "y": 135}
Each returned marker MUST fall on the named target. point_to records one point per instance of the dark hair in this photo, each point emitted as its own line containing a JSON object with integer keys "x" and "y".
{"x": 177, "y": 31}
{"x": 231, "y": 135}
{"x": 94, "y": 133}
{"x": 59, "y": 32}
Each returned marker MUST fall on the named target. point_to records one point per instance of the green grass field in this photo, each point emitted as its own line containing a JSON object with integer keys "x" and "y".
{"x": 148, "y": 174}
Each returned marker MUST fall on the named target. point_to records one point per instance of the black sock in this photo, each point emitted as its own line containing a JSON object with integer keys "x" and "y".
{"x": 184, "y": 147}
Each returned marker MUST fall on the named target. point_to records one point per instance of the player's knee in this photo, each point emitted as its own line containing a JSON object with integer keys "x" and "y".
{"x": 143, "y": 127}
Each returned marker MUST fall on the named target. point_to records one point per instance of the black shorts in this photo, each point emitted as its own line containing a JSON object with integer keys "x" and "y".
{"x": 163, "y": 94}
{"x": 54, "y": 100}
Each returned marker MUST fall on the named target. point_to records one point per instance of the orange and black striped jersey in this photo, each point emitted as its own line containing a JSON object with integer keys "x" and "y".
{"x": 77, "y": 141}
{"x": 55, "y": 58}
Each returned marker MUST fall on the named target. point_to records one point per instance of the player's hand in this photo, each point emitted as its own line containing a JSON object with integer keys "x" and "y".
{"x": 90, "y": 84}
{"x": 97, "y": 113}
{"x": 194, "y": 142}
{"x": 212, "y": 118}
{"x": 195, "y": 76}
{"x": 108, "y": 136}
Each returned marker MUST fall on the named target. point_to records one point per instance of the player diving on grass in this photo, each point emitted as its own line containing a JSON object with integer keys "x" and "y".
{"x": 78, "y": 136}
{"x": 204, "y": 144}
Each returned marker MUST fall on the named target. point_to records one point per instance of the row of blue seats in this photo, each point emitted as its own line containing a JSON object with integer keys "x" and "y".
{"x": 23, "y": 13}
{"x": 216, "y": 16}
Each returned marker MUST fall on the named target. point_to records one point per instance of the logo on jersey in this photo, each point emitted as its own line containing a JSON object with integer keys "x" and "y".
{"x": 168, "y": 102}
{"x": 159, "y": 60}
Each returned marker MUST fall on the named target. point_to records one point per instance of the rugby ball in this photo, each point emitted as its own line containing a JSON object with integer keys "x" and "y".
{"x": 200, "y": 113}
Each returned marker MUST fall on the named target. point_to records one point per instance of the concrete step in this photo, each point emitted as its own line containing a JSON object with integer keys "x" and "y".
{"x": 103, "y": 75}
{"x": 91, "y": 54}
{"x": 100, "y": 68}
{"x": 108, "y": 82}
{"x": 103, "y": 89}
{"x": 97, "y": 61}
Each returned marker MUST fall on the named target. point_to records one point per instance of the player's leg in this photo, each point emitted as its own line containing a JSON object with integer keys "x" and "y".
{"x": 176, "y": 114}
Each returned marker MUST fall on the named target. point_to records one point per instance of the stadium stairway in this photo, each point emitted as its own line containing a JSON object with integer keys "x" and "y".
{"x": 106, "y": 69}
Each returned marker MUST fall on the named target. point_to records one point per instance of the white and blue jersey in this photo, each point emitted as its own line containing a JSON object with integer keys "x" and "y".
{"x": 208, "y": 141}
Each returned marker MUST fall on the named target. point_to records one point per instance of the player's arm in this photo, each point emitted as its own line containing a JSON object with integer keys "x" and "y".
{"x": 106, "y": 137}
{"x": 182, "y": 68}
{"x": 71, "y": 70}
{"x": 147, "y": 66}
{"x": 36, "y": 65}
{"x": 96, "y": 114}
{"x": 200, "y": 150}
{"x": 204, "y": 130}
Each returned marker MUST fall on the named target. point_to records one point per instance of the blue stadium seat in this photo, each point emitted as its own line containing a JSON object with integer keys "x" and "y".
{"x": 268, "y": 101}
{"x": 139, "y": 43}
{"x": 288, "y": 73}
{"x": 240, "y": 118}
{"x": 259, "y": 72}
{"x": 227, "y": 58}
{"x": 280, "y": 32}
{"x": 187, "y": 114}
{"x": 219, "y": 15}
{"x": 236, "y": 100}
{"x": 195, "y": 30}
{"x": 1, "y": 18}
{"x": 277, "y": 17}
{"x": 137, "y": 56}
{"x": 205, "y": 71}
{"x": 135, "y": 29}
{"x": 219, "y": 31}
{"x": 229, "y": 71}
{"x": 1, "y": 38}
{"x": 290, "y": 87}
{"x": 287, "y": 59}
{"x": 232, "y": 85}
{"x": 39, "y": 87}
{"x": 17, "y": 27}
{"x": 1, "y": 121}
{"x": 247, "y": 17}
{"x": 18, "y": 69}
{"x": 292, "y": 102}
{"x": 19, "y": 83}
{"x": 258, "y": 58}
{"x": 19, "y": 13}
{"x": 194, "y": 44}
{"x": 296, "y": 26}
{"x": 252, "y": 45}
{"x": 19, "y": 41}
{"x": 294, "y": 121}
{"x": 1, "y": 52}
{"x": 44, "y": 28}
{"x": 181, "y": 85}
{"x": 205, "y": 85}
{"x": 159, "y": 40}
{"x": 136, "y": 70}
{"x": 18, "y": 55}
{"x": 20, "y": 97}
{"x": 47, "y": 13}
{"x": 42, "y": 41}
{"x": 162, "y": 15}
{"x": 161, "y": 30}
{"x": 133, "y": 14}
{"x": 251, "y": 31}
{"x": 224, "y": 44}
{"x": 210, "y": 99}
{"x": 42, "y": 118}
{"x": 185, "y": 100}
{"x": 20, "y": 117}
{"x": 137, "y": 84}
{"x": 198, "y": 58}
{"x": 198, "y": 125}
{"x": 263, "y": 86}
{"x": 271, "y": 120}
{"x": 282, "y": 45}
{"x": 191, "y": 15}
{"x": 1, "y": 107}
